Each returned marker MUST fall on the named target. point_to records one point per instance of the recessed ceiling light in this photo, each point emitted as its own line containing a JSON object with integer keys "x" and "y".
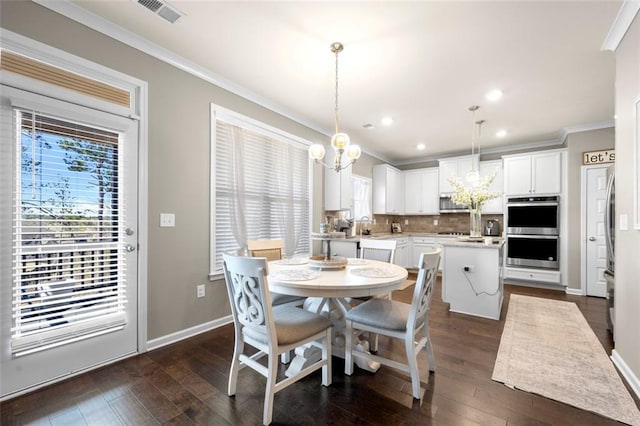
{"x": 421, "y": 146}
{"x": 494, "y": 95}
{"x": 386, "y": 121}
{"x": 501, "y": 133}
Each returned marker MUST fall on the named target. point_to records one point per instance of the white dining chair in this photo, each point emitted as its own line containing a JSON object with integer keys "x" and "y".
{"x": 273, "y": 250}
{"x": 271, "y": 330}
{"x": 400, "y": 321}
{"x": 382, "y": 250}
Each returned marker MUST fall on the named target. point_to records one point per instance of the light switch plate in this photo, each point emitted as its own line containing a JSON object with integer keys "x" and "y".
{"x": 167, "y": 220}
{"x": 406, "y": 221}
{"x": 624, "y": 222}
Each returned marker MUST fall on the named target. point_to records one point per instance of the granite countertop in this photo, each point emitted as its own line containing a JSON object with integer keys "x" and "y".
{"x": 498, "y": 243}
{"x": 445, "y": 238}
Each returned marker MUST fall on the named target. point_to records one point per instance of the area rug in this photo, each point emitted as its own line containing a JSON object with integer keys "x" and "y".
{"x": 548, "y": 348}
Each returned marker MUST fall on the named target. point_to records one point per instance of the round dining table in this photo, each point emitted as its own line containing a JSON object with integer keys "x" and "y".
{"x": 329, "y": 292}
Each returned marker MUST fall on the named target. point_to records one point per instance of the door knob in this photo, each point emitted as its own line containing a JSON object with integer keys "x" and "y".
{"x": 129, "y": 248}
{"x": 592, "y": 238}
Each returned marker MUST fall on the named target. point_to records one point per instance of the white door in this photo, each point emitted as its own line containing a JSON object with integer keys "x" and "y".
{"x": 595, "y": 246}
{"x": 68, "y": 186}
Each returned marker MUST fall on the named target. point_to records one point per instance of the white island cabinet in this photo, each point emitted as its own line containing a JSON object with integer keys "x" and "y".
{"x": 472, "y": 278}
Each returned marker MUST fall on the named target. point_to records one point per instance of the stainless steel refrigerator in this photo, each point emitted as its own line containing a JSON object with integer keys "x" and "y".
{"x": 610, "y": 233}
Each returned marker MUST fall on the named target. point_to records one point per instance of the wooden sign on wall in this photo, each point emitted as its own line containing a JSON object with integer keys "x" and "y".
{"x": 599, "y": 157}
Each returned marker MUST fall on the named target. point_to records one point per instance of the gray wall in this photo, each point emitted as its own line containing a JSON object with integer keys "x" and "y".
{"x": 577, "y": 143}
{"x": 179, "y": 135}
{"x": 627, "y": 297}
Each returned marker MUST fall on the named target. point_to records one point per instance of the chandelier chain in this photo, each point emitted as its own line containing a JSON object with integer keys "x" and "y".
{"x": 336, "y": 97}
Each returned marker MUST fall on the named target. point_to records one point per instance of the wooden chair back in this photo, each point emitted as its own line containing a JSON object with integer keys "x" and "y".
{"x": 271, "y": 249}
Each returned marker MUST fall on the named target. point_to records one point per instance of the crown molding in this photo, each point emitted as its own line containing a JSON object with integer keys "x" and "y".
{"x": 566, "y": 131}
{"x": 551, "y": 143}
{"x": 621, "y": 24}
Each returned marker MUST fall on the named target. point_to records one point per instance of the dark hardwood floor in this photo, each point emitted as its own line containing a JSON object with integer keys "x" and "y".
{"x": 185, "y": 383}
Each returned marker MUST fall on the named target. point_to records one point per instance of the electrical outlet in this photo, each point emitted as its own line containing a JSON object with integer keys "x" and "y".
{"x": 435, "y": 222}
{"x": 200, "y": 291}
{"x": 406, "y": 221}
{"x": 386, "y": 222}
{"x": 167, "y": 220}
{"x": 468, "y": 268}
{"x": 374, "y": 220}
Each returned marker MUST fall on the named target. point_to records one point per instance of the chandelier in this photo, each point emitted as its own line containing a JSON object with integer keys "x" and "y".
{"x": 340, "y": 141}
{"x": 473, "y": 176}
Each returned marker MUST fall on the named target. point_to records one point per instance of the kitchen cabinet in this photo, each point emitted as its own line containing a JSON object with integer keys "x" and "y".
{"x": 455, "y": 166}
{"x": 494, "y": 206}
{"x": 421, "y": 191}
{"x": 387, "y": 189}
{"x": 538, "y": 173}
{"x": 535, "y": 275}
{"x": 402, "y": 251}
{"x": 420, "y": 245}
{"x": 338, "y": 186}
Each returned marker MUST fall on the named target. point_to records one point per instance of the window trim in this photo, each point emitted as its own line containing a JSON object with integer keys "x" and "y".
{"x": 231, "y": 117}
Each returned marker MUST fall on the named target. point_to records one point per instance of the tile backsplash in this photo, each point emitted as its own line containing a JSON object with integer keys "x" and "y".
{"x": 449, "y": 222}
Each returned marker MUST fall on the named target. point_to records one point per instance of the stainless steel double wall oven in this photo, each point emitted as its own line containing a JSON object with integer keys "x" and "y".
{"x": 533, "y": 232}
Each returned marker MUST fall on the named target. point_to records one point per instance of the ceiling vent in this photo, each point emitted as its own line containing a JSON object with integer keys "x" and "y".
{"x": 162, "y": 9}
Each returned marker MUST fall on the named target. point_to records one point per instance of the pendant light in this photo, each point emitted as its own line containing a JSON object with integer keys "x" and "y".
{"x": 340, "y": 142}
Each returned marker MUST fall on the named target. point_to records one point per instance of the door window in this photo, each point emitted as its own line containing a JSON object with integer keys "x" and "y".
{"x": 67, "y": 214}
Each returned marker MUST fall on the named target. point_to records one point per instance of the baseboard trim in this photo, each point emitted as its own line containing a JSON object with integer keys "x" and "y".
{"x": 187, "y": 332}
{"x": 630, "y": 377}
{"x": 574, "y": 291}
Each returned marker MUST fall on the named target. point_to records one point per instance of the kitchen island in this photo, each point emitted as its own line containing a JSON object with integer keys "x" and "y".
{"x": 472, "y": 277}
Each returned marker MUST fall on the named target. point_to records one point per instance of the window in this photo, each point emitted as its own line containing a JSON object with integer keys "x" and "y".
{"x": 260, "y": 185}
{"x": 361, "y": 197}
{"x": 68, "y": 263}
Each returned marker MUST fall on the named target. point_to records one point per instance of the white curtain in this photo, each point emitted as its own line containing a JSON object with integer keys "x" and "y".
{"x": 236, "y": 179}
{"x": 288, "y": 170}
{"x": 261, "y": 191}
{"x": 361, "y": 197}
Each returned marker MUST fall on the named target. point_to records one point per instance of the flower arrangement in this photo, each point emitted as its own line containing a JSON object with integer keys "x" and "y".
{"x": 474, "y": 197}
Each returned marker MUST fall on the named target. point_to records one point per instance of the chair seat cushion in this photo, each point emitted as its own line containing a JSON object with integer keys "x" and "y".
{"x": 381, "y": 313}
{"x": 279, "y": 299}
{"x": 292, "y": 325}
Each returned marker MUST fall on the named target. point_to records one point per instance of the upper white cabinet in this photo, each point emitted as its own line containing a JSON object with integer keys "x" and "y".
{"x": 494, "y": 206}
{"x": 455, "y": 166}
{"x": 387, "y": 190}
{"x": 539, "y": 173}
{"x": 421, "y": 193}
{"x": 338, "y": 186}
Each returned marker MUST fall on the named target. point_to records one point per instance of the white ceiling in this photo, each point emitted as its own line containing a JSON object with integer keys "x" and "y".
{"x": 423, "y": 63}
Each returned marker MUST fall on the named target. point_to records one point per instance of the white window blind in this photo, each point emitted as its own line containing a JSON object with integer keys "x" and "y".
{"x": 68, "y": 263}
{"x": 261, "y": 191}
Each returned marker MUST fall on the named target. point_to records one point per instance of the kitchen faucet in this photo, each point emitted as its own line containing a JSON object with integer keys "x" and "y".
{"x": 361, "y": 221}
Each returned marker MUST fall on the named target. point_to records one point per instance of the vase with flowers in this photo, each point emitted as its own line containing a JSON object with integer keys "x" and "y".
{"x": 473, "y": 198}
